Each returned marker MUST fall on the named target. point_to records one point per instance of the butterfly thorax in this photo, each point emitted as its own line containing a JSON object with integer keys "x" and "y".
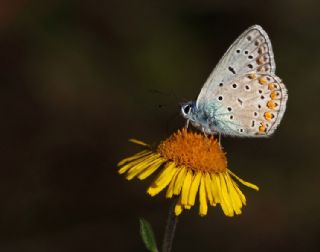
{"x": 201, "y": 118}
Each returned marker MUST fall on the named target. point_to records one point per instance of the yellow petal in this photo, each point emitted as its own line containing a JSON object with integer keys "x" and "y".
{"x": 151, "y": 169}
{"x": 139, "y": 161}
{"x": 155, "y": 188}
{"x": 241, "y": 195}
{"x": 248, "y": 184}
{"x": 186, "y": 188}
{"x": 135, "y": 141}
{"x": 234, "y": 196}
{"x": 225, "y": 195}
{"x": 178, "y": 208}
{"x": 124, "y": 168}
{"x": 188, "y": 207}
{"x": 169, "y": 168}
{"x": 135, "y": 170}
{"x": 180, "y": 180}
{"x": 215, "y": 189}
{"x": 203, "y": 198}
{"x": 194, "y": 188}
{"x": 226, "y": 210}
{"x": 169, "y": 192}
{"x": 136, "y": 156}
{"x": 208, "y": 186}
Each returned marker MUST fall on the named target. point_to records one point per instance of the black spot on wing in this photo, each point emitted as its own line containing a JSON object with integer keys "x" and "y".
{"x": 231, "y": 69}
{"x": 240, "y": 101}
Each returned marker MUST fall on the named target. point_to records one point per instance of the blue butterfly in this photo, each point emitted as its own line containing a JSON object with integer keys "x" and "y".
{"x": 242, "y": 96}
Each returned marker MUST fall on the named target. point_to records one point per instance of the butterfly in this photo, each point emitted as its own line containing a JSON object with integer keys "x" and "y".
{"x": 242, "y": 96}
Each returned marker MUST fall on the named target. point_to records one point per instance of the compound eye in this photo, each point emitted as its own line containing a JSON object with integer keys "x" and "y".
{"x": 186, "y": 109}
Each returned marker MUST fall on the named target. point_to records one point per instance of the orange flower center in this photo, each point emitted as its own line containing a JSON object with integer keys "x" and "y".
{"x": 194, "y": 151}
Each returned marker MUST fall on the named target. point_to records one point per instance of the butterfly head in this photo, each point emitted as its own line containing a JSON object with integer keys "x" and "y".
{"x": 187, "y": 109}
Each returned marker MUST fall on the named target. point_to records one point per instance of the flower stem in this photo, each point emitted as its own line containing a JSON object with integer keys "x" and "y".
{"x": 171, "y": 225}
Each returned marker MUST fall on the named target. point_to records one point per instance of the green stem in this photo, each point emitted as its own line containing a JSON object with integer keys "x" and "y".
{"x": 171, "y": 225}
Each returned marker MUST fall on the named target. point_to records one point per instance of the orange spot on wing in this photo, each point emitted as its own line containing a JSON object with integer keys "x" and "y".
{"x": 271, "y": 104}
{"x": 271, "y": 86}
{"x": 263, "y": 80}
{"x": 268, "y": 116}
{"x": 273, "y": 95}
{"x": 252, "y": 76}
{"x": 260, "y": 60}
{"x": 262, "y": 128}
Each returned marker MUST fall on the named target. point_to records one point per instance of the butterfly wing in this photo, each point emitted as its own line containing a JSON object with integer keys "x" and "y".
{"x": 252, "y": 51}
{"x": 252, "y": 105}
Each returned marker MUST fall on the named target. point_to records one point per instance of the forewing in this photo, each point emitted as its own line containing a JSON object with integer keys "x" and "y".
{"x": 252, "y": 51}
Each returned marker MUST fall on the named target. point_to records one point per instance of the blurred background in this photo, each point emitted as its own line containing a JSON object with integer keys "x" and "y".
{"x": 78, "y": 78}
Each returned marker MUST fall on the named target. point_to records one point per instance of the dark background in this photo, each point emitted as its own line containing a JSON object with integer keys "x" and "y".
{"x": 78, "y": 78}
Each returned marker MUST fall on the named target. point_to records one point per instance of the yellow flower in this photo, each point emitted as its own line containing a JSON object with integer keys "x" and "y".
{"x": 190, "y": 163}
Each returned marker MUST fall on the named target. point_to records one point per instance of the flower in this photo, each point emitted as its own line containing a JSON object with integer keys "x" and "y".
{"x": 191, "y": 164}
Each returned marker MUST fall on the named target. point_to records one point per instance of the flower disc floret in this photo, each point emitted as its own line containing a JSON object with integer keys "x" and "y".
{"x": 195, "y": 151}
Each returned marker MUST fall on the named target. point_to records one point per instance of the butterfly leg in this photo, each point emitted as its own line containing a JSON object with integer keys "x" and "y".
{"x": 204, "y": 132}
{"x": 219, "y": 139}
{"x": 187, "y": 124}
